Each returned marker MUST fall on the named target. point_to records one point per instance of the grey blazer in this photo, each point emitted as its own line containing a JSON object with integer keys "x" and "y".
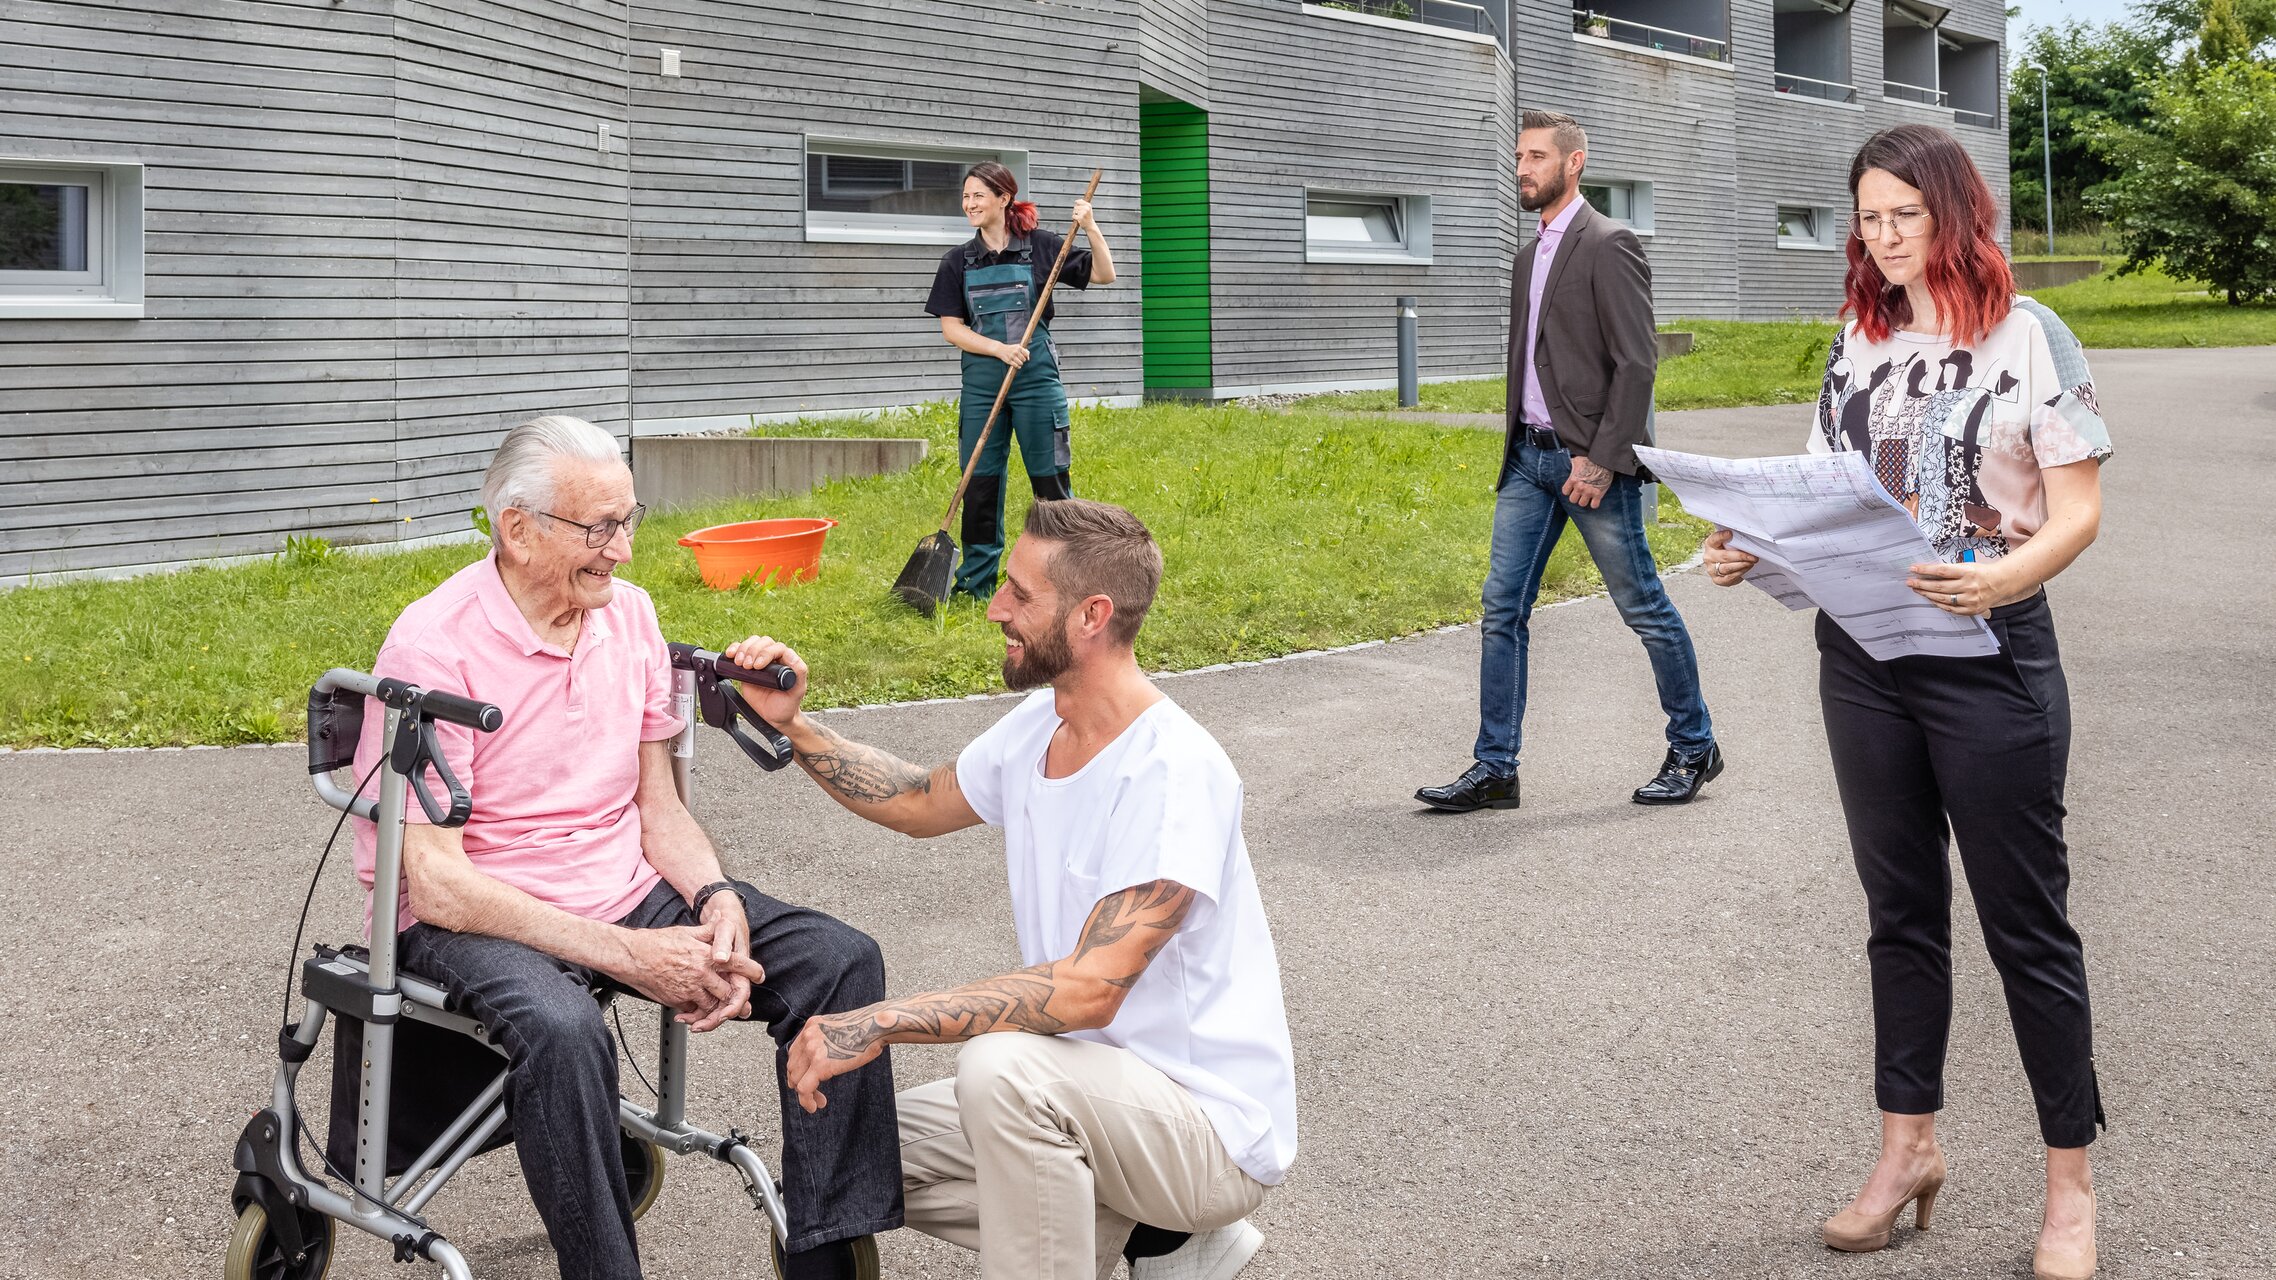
{"x": 1596, "y": 353}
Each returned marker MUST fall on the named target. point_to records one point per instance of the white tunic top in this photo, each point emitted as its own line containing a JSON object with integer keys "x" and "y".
{"x": 1161, "y": 802}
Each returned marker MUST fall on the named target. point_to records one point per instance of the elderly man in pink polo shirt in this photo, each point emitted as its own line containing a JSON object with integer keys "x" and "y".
{"x": 581, "y": 868}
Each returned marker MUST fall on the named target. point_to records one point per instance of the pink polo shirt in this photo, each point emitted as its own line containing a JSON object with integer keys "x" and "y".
{"x": 553, "y": 788}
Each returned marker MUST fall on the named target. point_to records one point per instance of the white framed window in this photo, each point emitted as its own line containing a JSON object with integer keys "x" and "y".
{"x": 1806, "y": 226}
{"x": 1626, "y": 202}
{"x": 893, "y": 193}
{"x": 1355, "y": 226}
{"x": 70, "y": 240}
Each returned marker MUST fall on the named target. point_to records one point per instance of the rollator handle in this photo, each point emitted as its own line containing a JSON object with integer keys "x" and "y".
{"x": 774, "y": 675}
{"x": 434, "y": 704}
{"x": 482, "y": 716}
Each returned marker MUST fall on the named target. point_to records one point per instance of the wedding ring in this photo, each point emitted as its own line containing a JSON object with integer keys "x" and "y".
{"x": 1954, "y": 599}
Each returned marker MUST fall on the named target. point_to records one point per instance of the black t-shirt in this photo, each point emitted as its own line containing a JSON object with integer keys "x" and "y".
{"x": 948, "y": 286}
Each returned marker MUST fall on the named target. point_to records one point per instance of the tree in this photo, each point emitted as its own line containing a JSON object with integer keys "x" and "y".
{"x": 2094, "y": 74}
{"x": 2196, "y": 184}
{"x": 2175, "y": 26}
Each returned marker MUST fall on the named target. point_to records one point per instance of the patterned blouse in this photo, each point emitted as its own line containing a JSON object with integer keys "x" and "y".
{"x": 1959, "y": 435}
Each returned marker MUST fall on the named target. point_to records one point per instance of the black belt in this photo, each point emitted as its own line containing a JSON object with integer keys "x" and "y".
{"x": 1539, "y": 437}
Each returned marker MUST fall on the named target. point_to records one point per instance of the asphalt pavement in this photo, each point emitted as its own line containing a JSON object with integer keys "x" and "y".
{"x": 1580, "y": 1039}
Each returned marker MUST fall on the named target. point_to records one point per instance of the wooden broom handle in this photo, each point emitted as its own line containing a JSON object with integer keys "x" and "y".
{"x": 1034, "y": 318}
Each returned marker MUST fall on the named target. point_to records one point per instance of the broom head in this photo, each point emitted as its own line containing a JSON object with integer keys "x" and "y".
{"x": 925, "y": 580}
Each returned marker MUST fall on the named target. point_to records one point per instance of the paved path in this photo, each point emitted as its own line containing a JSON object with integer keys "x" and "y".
{"x": 1580, "y": 1039}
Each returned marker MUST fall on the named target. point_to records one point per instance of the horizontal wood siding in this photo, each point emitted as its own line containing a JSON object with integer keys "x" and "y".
{"x": 1299, "y": 102}
{"x": 735, "y": 312}
{"x": 1796, "y": 150}
{"x": 1173, "y": 49}
{"x": 377, "y": 232}
{"x": 1723, "y": 149}
{"x": 512, "y": 258}
{"x": 1176, "y": 225}
{"x": 257, "y": 397}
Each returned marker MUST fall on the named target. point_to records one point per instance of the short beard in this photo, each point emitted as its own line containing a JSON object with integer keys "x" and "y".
{"x": 1545, "y": 195}
{"x": 1044, "y": 657}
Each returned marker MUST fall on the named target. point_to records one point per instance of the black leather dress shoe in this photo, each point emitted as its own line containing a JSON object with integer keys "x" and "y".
{"x": 1477, "y": 788}
{"x": 1681, "y": 777}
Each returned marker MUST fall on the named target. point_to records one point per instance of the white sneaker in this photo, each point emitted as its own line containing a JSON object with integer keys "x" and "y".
{"x": 1211, "y": 1255}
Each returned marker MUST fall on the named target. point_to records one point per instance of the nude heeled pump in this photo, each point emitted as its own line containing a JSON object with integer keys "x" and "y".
{"x": 1854, "y": 1232}
{"x": 2063, "y": 1264}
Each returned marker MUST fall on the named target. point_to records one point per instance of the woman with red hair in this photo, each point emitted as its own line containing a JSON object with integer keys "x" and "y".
{"x": 983, "y": 294}
{"x": 1976, "y": 411}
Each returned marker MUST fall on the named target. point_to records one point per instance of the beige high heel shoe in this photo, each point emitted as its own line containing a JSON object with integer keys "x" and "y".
{"x": 2064, "y": 1264}
{"x": 1854, "y": 1232}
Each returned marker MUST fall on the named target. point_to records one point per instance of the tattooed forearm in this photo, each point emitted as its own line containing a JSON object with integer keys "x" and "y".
{"x": 1015, "y": 1002}
{"x": 1125, "y": 932}
{"x": 861, "y": 773}
{"x": 1155, "y": 911}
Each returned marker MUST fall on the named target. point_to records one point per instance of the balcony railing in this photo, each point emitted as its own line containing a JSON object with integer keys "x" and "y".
{"x": 1901, "y": 92}
{"x": 1644, "y": 36}
{"x": 1983, "y": 118}
{"x": 1450, "y": 14}
{"x": 1805, "y": 87}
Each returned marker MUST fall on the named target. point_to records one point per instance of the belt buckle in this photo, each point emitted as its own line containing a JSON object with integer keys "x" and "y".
{"x": 1542, "y": 437}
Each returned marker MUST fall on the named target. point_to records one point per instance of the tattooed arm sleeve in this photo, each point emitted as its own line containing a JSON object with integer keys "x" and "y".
{"x": 1080, "y": 992}
{"x": 881, "y": 786}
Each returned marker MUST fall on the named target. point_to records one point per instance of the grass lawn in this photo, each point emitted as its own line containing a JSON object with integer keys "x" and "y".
{"x": 2030, "y": 245}
{"x": 1281, "y": 531}
{"x": 1736, "y": 362}
{"x": 2152, "y": 309}
{"x": 1731, "y": 362}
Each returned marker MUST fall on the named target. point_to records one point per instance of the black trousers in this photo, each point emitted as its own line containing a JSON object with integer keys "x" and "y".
{"x": 841, "y": 1167}
{"x": 1978, "y": 747}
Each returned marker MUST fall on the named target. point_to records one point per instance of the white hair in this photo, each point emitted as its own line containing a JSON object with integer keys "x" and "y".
{"x": 521, "y": 472}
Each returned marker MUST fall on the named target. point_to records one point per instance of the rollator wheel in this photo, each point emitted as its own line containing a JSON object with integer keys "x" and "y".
{"x": 643, "y": 1174}
{"x": 864, "y": 1253}
{"x": 254, "y": 1253}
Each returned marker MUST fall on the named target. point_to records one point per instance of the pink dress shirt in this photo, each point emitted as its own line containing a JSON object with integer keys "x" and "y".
{"x": 1535, "y": 405}
{"x": 553, "y": 788}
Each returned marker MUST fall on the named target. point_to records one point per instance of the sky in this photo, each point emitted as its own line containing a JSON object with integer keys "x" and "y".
{"x": 2053, "y": 12}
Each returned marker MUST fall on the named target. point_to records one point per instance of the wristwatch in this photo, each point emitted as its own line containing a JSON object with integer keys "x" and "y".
{"x": 703, "y": 895}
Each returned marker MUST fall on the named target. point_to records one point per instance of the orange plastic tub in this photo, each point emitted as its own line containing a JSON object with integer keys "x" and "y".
{"x": 777, "y": 551}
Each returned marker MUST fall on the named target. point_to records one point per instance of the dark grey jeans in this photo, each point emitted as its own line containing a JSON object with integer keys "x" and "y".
{"x": 841, "y": 1167}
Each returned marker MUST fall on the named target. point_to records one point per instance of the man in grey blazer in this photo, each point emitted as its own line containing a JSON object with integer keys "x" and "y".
{"x": 1581, "y": 357}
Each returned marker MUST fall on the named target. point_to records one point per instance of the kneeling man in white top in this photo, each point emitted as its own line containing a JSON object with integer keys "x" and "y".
{"x": 1138, "y": 1070}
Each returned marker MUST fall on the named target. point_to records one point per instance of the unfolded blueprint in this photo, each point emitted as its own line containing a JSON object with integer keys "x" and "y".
{"x": 1829, "y": 537}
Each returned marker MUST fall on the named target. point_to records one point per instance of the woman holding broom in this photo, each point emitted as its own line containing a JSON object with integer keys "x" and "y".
{"x": 982, "y": 295}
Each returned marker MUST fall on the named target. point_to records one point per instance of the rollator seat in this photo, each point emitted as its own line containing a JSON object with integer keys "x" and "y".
{"x": 438, "y": 1071}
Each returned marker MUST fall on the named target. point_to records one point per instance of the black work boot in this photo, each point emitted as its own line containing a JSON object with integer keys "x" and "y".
{"x": 1477, "y": 788}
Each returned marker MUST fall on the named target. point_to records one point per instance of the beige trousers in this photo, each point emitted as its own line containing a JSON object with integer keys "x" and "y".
{"x": 1044, "y": 1151}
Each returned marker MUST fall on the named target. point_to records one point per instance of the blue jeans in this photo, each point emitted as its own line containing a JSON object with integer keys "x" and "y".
{"x": 841, "y": 1167}
{"x": 1529, "y": 516}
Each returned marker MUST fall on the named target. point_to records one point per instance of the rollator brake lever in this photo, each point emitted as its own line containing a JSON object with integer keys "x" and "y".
{"x": 415, "y": 748}
{"x": 722, "y": 708}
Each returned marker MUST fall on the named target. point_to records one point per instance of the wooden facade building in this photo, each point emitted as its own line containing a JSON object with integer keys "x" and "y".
{"x": 275, "y": 267}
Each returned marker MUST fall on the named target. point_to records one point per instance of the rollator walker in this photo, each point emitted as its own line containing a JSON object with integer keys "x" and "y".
{"x": 287, "y": 1214}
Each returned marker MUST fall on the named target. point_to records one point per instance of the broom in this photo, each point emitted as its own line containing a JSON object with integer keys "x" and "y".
{"x": 925, "y": 580}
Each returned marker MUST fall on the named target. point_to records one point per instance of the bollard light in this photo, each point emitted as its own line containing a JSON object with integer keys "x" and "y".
{"x": 1410, "y": 373}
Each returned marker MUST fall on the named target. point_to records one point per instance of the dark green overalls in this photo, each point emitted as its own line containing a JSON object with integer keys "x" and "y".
{"x": 999, "y": 299}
